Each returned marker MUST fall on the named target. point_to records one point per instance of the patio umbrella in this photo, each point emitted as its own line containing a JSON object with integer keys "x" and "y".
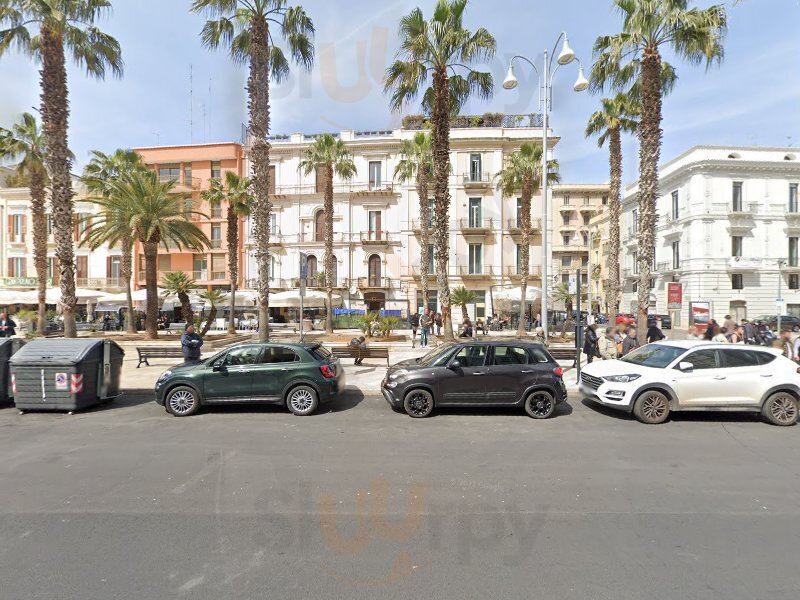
{"x": 512, "y": 294}
{"x": 291, "y": 299}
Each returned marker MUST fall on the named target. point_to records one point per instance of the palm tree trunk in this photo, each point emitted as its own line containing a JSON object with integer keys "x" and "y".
{"x": 233, "y": 263}
{"x": 55, "y": 117}
{"x": 525, "y": 251}
{"x": 329, "y": 247}
{"x": 212, "y": 315}
{"x": 649, "y": 154}
{"x": 440, "y": 141}
{"x": 186, "y": 308}
{"x": 615, "y": 160}
{"x": 424, "y": 215}
{"x": 126, "y": 270}
{"x": 151, "y": 285}
{"x": 39, "y": 242}
{"x": 258, "y": 91}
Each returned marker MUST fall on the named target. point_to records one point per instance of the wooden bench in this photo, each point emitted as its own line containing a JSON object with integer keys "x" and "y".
{"x": 361, "y": 353}
{"x": 563, "y": 354}
{"x": 175, "y": 328}
{"x": 157, "y": 352}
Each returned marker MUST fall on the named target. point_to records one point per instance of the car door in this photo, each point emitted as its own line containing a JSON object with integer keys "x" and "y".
{"x": 510, "y": 373}
{"x": 707, "y": 384}
{"x": 747, "y": 378}
{"x": 276, "y": 369}
{"x": 230, "y": 377}
{"x": 467, "y": 383}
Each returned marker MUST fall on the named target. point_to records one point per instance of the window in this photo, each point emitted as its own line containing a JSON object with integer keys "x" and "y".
{"x": 566, "y": 261}
{"x": 584, "y": 261}
{"x": 635, "y": 220}
{"x": 566, "y": 218}
{"x": 793, "y": 252}
{"x": 585, "y": 238}
{"x": 675, "y": 212}
{"x": 319, "y": 226}
{"x": 279, "y": 355}
{"x": 200, "y": 267}
{"x": 566, "y": 200}
{"x": 82, "y": 267}
{"x": 586, "y": 219}
{"x": 704, "y": 359}
{"x": 273, "y": 224}
{"x": 740, "y": 358}
{"x": 605, "y": 200}
{"x": 311, "y": 271}
{"x": 431, "y": 208}
{"x": 737, "y": 281}
{"x": 431, "y": 259}
{"x": 566, "y": 239}
{"x": 272, "y": 179}
{"x": 475, "y": 167}
{"x": 375, "y": 270}
{"x": 114, "y": 266}
{"x": 247, "y": 355}
{"x": 519, "y": 259}
{"x": 793, "y": 197}
{"x": 475, "y": 259}
{"x": 635, "y": 263}
{"x": 17, "y": 267}
{"x": 433, "y": 298}
{"x": 374, "y": 174}
{"x": 794, "y": 281}
{"x": 187, "y": 174}
{"x": 586, "y": 200}
{"x": 471, "y": 356}
{"x": 216, "y": 169}
{"x": 188, "y": 207}
{"x": 216, "y": 236}
{"x": 480, "y": 304}
{"x": 272, "y": 266}
{"x": 736, "y": 245}
{"x": 565, "y": 278}
{"x": 519, "y": 212}
{"x": 216, "y": 210}
{"x": 676, "y": 255}
{"x": 52, "y": 269}
{"x": 375, "y": 224}
{"x": 49, "y": 224}
{"x": 510, "y": 355}
{"x": 16, "y": 228}
{"x": 169, "y": 173}
{"x": 737, "y": 196}
{"x": 319, "y": 179}
{"x": 218, "y": 266}
{"x": 475, "y": 212}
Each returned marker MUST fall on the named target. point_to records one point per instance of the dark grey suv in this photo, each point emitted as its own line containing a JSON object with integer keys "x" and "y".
{"x": 507, "y": 373}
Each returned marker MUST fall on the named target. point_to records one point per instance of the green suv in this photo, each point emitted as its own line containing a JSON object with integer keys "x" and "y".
{"x": 297, "y": 375}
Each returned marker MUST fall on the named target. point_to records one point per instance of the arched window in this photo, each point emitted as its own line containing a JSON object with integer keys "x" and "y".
{"x": 319, "y": 226}
{"x": 375, "y": 271}
{"x": 311, "y": 271}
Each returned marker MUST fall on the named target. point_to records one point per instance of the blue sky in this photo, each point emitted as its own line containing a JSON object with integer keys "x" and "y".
{"x": 752, "y": 99}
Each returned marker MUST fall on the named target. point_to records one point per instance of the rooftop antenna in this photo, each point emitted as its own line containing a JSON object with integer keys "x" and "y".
{"x": 191, "y": 104}
{"x": 158, "y": 138}
{"x": 210, "y": 79}
{"x": 204, "y": 122}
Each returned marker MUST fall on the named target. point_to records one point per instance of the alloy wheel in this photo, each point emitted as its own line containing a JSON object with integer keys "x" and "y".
{"x": 540, "y": 405}
{"x": 419, "y": 404}
{"x": 784, "y": 409}
{"x": 182, "y": 402}
{"x": 654, "y": 407}
{"x": 302, "y": 400}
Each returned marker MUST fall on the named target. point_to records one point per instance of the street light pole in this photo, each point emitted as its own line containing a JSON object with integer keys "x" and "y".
{"x": 779, "y": 303}
{"x": 565, "y": 57}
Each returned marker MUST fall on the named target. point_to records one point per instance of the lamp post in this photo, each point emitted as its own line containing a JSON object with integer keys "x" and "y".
{"x": 779, "y": 302}
{"x": 566, "y": 56}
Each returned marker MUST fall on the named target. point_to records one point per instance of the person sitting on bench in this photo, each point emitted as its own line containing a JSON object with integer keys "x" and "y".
{"x": 361, "y": 343}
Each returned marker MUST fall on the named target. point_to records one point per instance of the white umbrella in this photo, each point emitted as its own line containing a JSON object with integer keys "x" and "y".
{"x": 53, "y": 295}
{"x": 18, "y": 297}
{"x": 291, "y": 299}
{"x": 513, "y": 294}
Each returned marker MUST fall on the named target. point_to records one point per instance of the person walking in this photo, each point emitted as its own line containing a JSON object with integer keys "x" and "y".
{"x": 712, "y": 329}
{"x": 729, "y": 324}
{"x": 191, "y": 343}
{"x": 590, "y": 342}
{"x": 654, "y": 334}
{"x": 8, "y": 328}
{"x": 629, "y": 343}
{"x": 749, "y": 332}
{"x": 414, "y": 322}
{"x": 607, "y": 345}
{"x": 721, "y": 336}
{"x": 538, "y": 336}
{"x": 786, "y": 345}
{"x": 438, "y": 321}
{"x": 425, "y": 323}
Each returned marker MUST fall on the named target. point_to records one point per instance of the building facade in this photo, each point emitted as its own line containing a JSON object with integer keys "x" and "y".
{"x": 377, "y": 225}
{"x": 728, "y": 230}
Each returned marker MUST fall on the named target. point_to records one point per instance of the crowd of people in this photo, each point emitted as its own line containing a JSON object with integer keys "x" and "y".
{"x": 615, "y": 342}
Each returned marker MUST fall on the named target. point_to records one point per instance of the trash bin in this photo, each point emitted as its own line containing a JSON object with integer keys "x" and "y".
{"x": 8, "y": 347}
{"x": 66, "y": 374}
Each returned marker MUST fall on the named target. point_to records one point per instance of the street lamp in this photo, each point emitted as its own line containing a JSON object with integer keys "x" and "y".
{"x": 565, "y": 57}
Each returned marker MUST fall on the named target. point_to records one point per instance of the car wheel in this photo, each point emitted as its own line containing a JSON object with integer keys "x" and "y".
{"x": 540, "y": 404}
{"x": 796, "y": 328}
{"x": 652, "y": 407}
{"x": 182, "y": 401}
{"x": 781, "y": 409}
{"x": 418, "y": 403}
{"x": 302, "y": 400}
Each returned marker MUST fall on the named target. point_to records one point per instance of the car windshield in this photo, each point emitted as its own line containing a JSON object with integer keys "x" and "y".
{"x": 657, "y": 356}
{"x": 436, "y": 356}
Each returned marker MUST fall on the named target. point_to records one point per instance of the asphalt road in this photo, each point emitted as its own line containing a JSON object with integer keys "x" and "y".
{"x": 361, "y": 502}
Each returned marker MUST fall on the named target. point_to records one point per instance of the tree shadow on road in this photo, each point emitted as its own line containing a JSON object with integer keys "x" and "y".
{"x": 709, "y": 416}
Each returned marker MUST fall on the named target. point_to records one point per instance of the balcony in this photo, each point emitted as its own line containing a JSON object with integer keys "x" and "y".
{"x": 374, "y": 283}
{"x": 476, "y": 180}
{"x": 317, "y": 283}
{"x": 744, "y": 263}
{"x": 590, "y": 208}
{"x": 219, "y": 276}
{"x": 19, "y": 238}
{"x": 567, "y": 208}
{"x": 216, "y": 212}
{"x": 200, "y": 275}
{"x": 742, "y": 211}
{"x": 631, "y": 237}
{"x": 312, "y": 238}
{"x": 534, "y": 272}
{"x": 666, "y": 267}
{"x": 474, "y": 226}
{"x": 416, "y": 273}
{"x": 792, "y": 214}
{"x": 365, "y": 188}
{"x": 473, "y": 272}
{"x": 514, "y": 226}
{"x": 216, "y": 244}
{"x": 100, "y": 283}
{"x": 378, "y": 238}
{"x": 192, "y": 184}
{"x": 571, "y": 248}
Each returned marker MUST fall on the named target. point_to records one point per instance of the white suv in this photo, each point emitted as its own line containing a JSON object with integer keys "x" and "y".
{"x": 658, "y": 378}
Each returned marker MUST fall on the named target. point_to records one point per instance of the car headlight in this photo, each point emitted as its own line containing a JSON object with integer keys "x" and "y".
{"x": 397, "y": 374}
{"x": 622, "y": 378}
{"x": 164, "y": 375}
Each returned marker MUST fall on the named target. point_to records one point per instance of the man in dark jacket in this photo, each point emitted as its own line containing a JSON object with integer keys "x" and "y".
{"x": 630, "y": 343}
{"x": 654, "y": 333}
{"x": 7, "y": 327}
{"x": 359, "y": 342}
{"x": 590, "y": 342}
{"x": 191, "y": 343}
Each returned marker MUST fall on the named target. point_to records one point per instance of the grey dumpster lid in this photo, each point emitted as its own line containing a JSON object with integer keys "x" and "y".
{"x": 56, "y": 351}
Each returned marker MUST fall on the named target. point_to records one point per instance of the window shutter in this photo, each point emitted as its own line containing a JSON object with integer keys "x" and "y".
{"x": 11, "y": 268}
{"x": 75, "y": 228}
{"x": 24, "y": 262}
{"x": 108, "y": 267}
{"x": 24, "y": 228}
{"x": 10, "y": 227}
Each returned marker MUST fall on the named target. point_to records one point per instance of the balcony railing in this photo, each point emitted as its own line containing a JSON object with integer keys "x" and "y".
{"x": 416, "y": 224}
{"x": 378, "y": 237}
{"x": 219, "y": 276}
{"x": 416, "y": 272}
{"x": 216, "y": 244}
{"x": 515, "y": 226}
{"x": 216, "y": 213}
{"x": 313, "y": 238}
{"x": 474, "y": 271}
{"x": 365, "y": 187}
{"x": 744, "y": 263}
{"x": 99, "y": 282}
{"x": 476, "y": 179}
{"x": 513, "y": 272}
{"x": 18, "y": 238}
{"x": 375, "y": 282}
{"x": 200, "y": 275}
{"x": 474, "y": 224}
{"x": 739, "y": 209}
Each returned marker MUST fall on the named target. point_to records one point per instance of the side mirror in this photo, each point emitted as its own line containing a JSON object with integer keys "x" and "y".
{"x": 685, "y": 367}
{"x": 218, "y": 367}
{"x": 454, "y": 366}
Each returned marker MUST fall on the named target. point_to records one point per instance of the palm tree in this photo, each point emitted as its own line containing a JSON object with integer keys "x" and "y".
{"x": 633, "y": 57}
{"x": 415, "y": 165}
{"x": 24, "y": 141}
{"x": 102, "y": 169}
{"x": 139, "y": 203}
{"x": 328, "y": 155}
{"x": 523, "y": 175}
{"x": 237, "y": 192}
{"x": 461, "y": 296}
{"x": 47, "y": 30}
{"x": 618, "y": 115}
{"x": 243, "y": 26}
{"x": 444, "y": 49}
{"x": 214, "y": 298}
{"x": 562, "y": 294}
{"x": 179, "y": 284}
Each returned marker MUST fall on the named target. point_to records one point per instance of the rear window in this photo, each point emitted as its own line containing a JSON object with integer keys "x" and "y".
{"x": 764, "y": 358}
{"x": 320, "y": 353}
{"x": 540, "y": 355}
{"x": 740, "y": 358}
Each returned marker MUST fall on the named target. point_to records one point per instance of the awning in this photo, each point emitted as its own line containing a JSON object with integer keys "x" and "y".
{"x": 291, "y": 299}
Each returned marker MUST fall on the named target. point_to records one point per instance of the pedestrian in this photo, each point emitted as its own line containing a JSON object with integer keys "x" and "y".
{"x": 630, "y": 343}
{"x": 729, "y": 324}
{"x": 721, "y": 336}
{"x": 538, "y": 336}
{"x": 360, "y": 343}
{"x": 749, "y": 332}
{"x": 438, "y": 321}
{"x": 654, "y": 334}
{"x": 538, "y": 319}
{"x": 191, "y": 344}
{"x": 712, "y": 329}
{"x": 607, "y": 345}
{"x": 590, "y": 342}
{"x": 466, "y": 329}
{"x": 786, "y": 345}
{"x": 8, "y": 327}
{"x": 414, "y": 322}
{"x": 736, "y": 336}
{"x": 425, "y": 323}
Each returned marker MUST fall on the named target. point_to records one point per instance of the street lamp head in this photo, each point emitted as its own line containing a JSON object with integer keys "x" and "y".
{"x": 511, "y": 80}
{"x": 581, "y": 84}
{"x": 567, "y": 54}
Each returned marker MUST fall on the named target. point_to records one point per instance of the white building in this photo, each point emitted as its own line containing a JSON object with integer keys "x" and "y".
{"x": 728, "y": 230}
{"x": 376, "y": 219}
